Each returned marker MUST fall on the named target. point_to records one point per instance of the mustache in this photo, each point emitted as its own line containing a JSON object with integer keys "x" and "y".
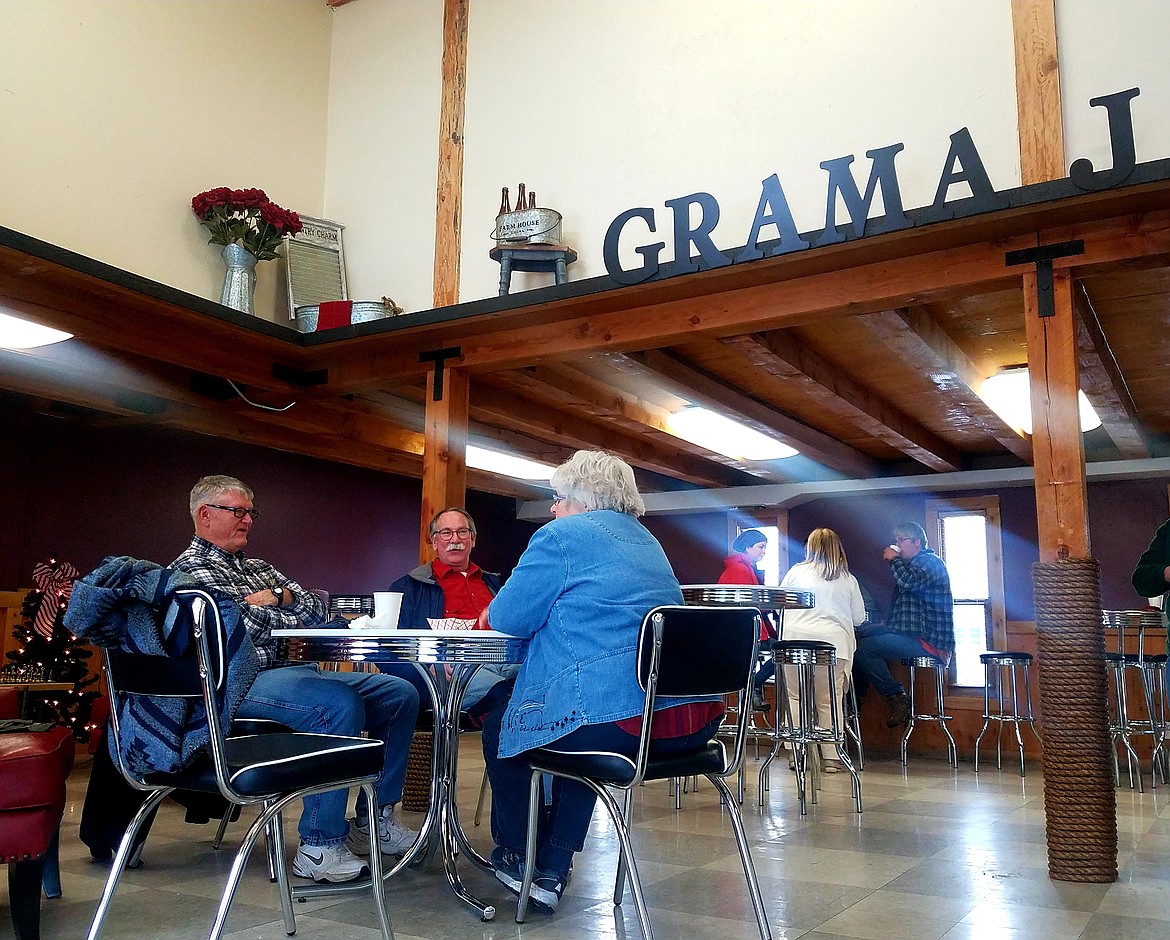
{"x": 456, "y": 546}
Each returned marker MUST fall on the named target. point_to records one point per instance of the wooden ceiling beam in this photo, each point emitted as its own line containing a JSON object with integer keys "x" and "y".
{"x": 1102, "y": 381}
{"x": 592, "y": 398}
{"x": 914, "y": 337}
{"x": 505, "y": 409}
{"x": 684, "y": 380}
{"x": 781, "y": 354}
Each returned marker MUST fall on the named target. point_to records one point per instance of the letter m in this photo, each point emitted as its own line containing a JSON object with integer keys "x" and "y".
{"x": 841, "y": 181}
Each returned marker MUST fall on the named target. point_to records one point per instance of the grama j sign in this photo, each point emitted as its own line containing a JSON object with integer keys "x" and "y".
{"x": 962, "y": 165}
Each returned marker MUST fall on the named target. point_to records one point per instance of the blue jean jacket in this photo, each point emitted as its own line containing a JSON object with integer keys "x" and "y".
{"x": 580, "y": 592}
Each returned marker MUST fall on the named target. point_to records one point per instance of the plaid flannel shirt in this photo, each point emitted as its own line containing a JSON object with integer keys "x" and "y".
{"x": 237, "y": 576}
{"x": 922, "y": 604}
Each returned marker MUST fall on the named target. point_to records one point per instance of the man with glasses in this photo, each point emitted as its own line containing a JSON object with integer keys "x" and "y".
{"x": 921, "y": 620}
{"x": 299, "y": 695}
{"x": 451, "y": 585}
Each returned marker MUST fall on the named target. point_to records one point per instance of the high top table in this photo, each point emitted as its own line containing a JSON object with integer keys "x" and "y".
{"x": 759, "y": 596}
{"x": 462, "y": 650}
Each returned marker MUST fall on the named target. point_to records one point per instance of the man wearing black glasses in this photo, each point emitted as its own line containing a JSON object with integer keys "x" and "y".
{"x": 451, "y": 585}
{"x": 298, "y": 695}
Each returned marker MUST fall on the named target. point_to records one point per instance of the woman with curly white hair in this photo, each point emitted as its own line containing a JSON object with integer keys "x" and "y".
{"x": 579, "y": 593}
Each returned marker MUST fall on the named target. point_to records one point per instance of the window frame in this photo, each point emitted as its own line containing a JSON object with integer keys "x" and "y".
{"x": 988, "y": 507}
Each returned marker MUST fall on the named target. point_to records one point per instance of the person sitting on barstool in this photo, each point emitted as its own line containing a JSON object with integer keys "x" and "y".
{"x": 742, "y": 567}
{"x": 1151, "y": 577}
{"x": 921, "y": 620}
{"x": 838, "y": 608}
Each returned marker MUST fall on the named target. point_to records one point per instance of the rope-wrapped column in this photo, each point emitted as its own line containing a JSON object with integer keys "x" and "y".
{"x": 1080, "y": 805}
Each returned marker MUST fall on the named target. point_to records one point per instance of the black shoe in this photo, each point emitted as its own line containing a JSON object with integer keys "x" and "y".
{"x": 547, "y": 888}
{"x": 899, "y": 709}
{"x": 758, "y": 703}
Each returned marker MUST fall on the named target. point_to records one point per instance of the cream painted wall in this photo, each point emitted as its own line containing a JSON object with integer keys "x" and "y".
{"x": 383, "y": 152}
{"x": 611, "y": 104}
{"x": 1110, "y": 47}
{"x": 113, "y": 114}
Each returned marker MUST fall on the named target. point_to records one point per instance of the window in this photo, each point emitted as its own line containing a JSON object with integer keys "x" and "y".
{"x": 967, "y": 538}
{"x": 774, "y": 564}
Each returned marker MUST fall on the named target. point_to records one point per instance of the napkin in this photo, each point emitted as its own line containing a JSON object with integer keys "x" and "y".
{"x": 373, "y": 623}
{"x": 451, "y": 623}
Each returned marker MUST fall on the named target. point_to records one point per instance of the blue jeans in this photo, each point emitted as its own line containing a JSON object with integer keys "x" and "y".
{"x": 874, "y": 650}
{"x": 565, "y": 821}
{"x": 307, "y": 699}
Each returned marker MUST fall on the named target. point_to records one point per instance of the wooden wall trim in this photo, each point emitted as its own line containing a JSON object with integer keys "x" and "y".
{"x": 449, "y": 189}
{"x": 1041, "y": 125}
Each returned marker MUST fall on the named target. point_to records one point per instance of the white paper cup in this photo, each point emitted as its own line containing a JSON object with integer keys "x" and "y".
{"x": 387, "y": 606}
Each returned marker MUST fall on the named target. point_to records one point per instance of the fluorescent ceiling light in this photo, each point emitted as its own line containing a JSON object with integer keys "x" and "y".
{"x": 724, "y": 436}
{"x": 1008, "y": 395}
{"x": 21, "y": 334}
{"x": 494, "y": 461}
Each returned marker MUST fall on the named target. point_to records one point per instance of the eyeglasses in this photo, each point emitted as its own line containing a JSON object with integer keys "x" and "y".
{"x": 558, "y": 499}
{"x": 904, "y": 538}
{"x": 238, "y": 511}
{"x": 447, "y": 534}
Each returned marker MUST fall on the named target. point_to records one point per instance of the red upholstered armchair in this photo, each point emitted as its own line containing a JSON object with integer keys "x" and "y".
{"x": 33, "y": 770}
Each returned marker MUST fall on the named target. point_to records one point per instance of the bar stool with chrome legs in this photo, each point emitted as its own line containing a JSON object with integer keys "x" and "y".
{"x": 940, "y": 675}
{"x": 1001, "y": 667}
{"x": 853, "y": 720}
{"x": 802, "y": 732}
{"x": 1151, "y": 671}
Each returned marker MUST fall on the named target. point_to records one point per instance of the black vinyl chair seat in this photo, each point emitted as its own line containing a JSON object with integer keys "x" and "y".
{"x": 617, "y": 770}
{"x": 260, "y": 765}
{"x": 681, "y": 652}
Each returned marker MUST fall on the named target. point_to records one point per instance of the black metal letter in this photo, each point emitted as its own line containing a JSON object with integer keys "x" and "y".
{"x": 613, "y": 264}
{"x": 1117, "y": 107}
{"x": 772, "y": 209}
{"x": 969, "y": 170}
{"x": 684, "y": 235}
{"x": 841, "y": 180}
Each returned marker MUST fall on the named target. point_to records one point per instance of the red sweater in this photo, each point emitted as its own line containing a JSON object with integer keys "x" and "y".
{"x": 738, "y": 569}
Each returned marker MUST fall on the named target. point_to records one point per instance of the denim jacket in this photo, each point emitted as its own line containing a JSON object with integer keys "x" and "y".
{"x": 580, "y": 592}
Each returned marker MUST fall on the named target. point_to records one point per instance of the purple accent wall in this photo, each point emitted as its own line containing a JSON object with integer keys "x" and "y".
{"x": 85, "y": 493}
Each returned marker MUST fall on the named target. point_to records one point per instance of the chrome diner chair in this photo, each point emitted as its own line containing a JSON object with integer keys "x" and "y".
{"x": 268, "y": 769}
{"x": 681, "y": 651}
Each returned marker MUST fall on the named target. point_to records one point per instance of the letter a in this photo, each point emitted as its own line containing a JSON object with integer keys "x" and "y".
{"x": 772, "y": 209}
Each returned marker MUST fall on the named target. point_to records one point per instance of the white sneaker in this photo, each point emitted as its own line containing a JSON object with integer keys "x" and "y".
{"x": 333, "y": 863}
{"x": 393, "y": 837}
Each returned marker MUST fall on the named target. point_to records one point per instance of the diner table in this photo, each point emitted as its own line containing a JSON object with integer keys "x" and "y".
{"x": 446, "y": 659}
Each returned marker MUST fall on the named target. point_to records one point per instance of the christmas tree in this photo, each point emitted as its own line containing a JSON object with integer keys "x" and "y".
{"x": 47, "y": 652}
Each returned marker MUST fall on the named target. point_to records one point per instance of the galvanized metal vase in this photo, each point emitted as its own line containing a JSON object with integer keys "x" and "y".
{"x": 239, "y": 280}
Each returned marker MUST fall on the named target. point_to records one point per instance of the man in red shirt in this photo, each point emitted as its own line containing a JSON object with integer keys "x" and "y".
{"x": 450, "y": 586}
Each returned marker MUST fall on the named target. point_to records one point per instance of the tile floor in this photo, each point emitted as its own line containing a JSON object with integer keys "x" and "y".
{"x": 937, "y": 854}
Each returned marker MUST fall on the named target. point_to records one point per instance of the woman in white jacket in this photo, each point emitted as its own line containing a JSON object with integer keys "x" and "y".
{"x": 838, "y": 609}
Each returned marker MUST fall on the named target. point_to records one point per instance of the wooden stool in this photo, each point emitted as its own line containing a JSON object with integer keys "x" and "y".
{"x": 548, "y": 258}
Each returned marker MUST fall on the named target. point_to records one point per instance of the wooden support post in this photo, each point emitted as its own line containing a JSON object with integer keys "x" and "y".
{"x": 445, "y": 450}
{"x": 1057, "y": 444}
{"x": 449, "y": 189}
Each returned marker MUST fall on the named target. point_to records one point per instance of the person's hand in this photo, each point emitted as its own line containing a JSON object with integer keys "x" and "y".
{"x": 482, "y": 622}
{"x": 890, "y": 553}
{"x": 264, "y": 598}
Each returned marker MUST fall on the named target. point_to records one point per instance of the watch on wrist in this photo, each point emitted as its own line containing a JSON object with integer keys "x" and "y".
{"x": 279, "y": 592}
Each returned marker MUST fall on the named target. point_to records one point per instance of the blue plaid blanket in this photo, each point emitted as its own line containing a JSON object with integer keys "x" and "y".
{"x": 129, "y": 604}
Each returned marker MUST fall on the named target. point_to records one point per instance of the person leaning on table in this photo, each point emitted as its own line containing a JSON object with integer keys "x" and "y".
{"x": 1151, "y": 577}
{"x": 298, "y": 695}
{"x": 579, "y": 592}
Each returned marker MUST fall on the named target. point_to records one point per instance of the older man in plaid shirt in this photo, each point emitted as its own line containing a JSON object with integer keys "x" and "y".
{"x": 921, "y": 620}
{"x": 298, "y": 695}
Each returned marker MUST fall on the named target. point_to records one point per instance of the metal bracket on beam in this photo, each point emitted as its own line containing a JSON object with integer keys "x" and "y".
{"x": 302, "y": 378}
{"x": 1042, "y": 256}
{"x": 439, "y": 357}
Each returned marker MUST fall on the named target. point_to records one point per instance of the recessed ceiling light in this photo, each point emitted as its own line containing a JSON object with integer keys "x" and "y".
{"x": 724, "y": 436}
{"x": 495, "y": 461}
{"x": 16, "y": 333}
{"x": 1007, "y": 393}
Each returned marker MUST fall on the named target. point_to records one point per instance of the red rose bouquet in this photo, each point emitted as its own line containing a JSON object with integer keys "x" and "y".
{"x": 246, "y": 217}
